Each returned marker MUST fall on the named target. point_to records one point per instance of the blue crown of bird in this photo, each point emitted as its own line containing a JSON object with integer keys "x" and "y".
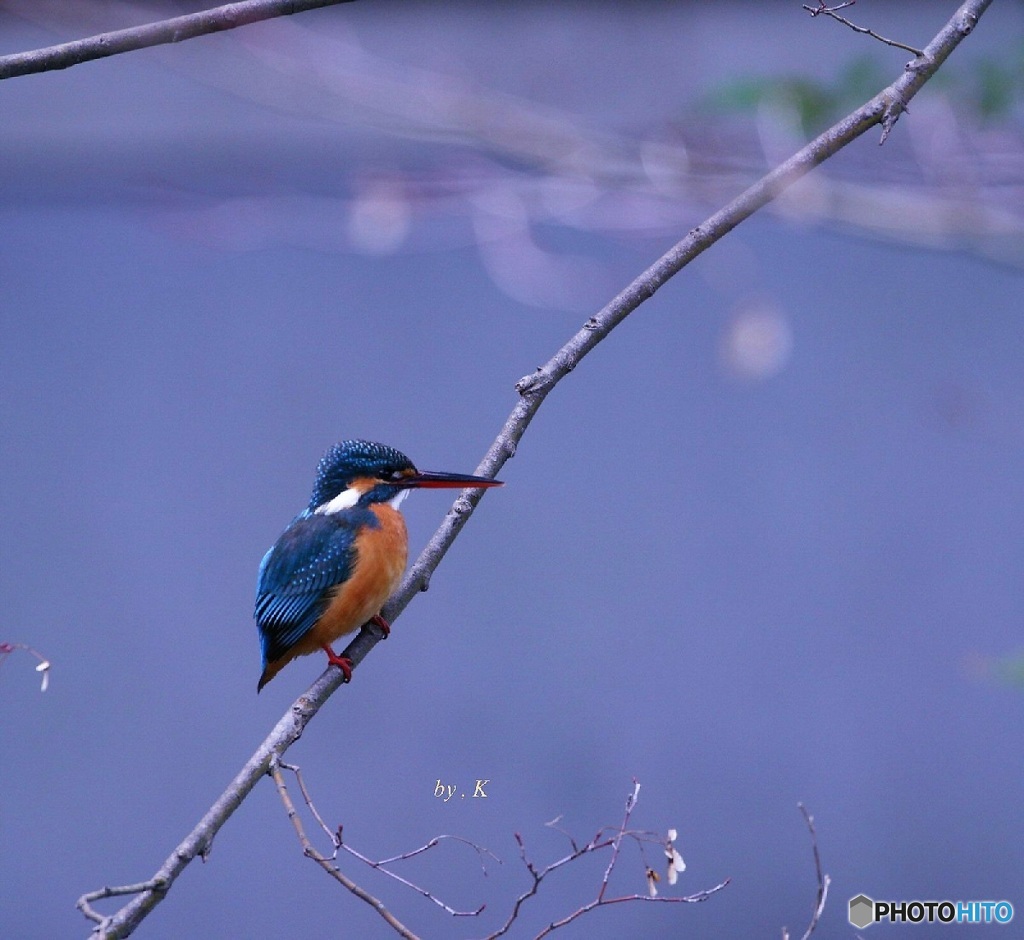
{"x": 343, "y": 556}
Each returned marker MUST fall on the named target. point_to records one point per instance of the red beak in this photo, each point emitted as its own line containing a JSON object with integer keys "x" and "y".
{"x": 430, "y": 480}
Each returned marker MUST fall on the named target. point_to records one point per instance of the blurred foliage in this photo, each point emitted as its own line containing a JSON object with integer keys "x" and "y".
{"x": 1010, "y": 669}
{"x": 998, "y": 85}
{"x": 991, "y": 88}
{"x": 816, "y": 103}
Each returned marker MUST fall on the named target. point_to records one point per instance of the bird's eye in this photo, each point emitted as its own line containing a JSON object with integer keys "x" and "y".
{"x": 392, "y": 476}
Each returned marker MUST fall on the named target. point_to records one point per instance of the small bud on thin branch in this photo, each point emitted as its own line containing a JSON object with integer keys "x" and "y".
{"x": 44, "y": 664}
{"x": 822, "y": 8}
{"x": 608, "y": 837}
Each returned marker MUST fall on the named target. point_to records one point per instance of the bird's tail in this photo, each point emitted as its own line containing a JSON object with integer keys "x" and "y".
{"x": 271, "y": 670}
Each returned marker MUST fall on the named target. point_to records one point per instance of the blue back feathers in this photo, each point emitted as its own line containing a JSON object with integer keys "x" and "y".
{"x": 315, "y": 553}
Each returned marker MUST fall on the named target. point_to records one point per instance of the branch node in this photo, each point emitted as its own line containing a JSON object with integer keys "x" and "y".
{"x": 895, "y": 105}
{"x": 529, "y": 383}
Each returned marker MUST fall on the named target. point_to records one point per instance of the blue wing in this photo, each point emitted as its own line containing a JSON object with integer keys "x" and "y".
{"x": 314, "y": 554}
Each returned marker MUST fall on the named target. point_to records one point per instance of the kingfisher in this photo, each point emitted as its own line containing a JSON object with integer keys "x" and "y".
{"x": 343, "y": 556}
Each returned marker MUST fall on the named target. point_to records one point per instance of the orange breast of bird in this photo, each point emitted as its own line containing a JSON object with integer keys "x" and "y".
{"x": 381, "y": 555}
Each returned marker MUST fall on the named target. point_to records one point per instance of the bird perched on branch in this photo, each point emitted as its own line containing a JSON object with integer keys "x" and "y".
{"x": 343, "y": 556}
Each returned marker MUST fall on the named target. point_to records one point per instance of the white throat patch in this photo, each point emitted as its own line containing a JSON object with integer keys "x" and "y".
{"x": 346, "y": 499}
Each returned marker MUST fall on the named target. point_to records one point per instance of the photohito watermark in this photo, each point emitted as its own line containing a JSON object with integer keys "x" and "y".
{"x": 864, "y": 912}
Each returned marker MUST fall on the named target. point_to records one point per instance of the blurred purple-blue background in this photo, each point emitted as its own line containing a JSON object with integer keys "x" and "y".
{"x": 764, "y": 546}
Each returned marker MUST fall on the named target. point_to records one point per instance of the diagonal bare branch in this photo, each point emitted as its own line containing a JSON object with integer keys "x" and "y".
{"x": 883, "y": 109}
{"x": 176, "y": 29}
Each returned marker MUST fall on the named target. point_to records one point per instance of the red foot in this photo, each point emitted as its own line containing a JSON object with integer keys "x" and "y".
{"x": 342, "y": 662}
{"x": 383, "y": 624}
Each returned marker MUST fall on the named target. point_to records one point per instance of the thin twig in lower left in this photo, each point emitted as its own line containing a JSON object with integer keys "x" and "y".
{"x": 326, "y": 863}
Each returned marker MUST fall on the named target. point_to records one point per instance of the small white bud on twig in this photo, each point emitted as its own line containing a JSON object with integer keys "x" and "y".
{"x": 675, "y": 860}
